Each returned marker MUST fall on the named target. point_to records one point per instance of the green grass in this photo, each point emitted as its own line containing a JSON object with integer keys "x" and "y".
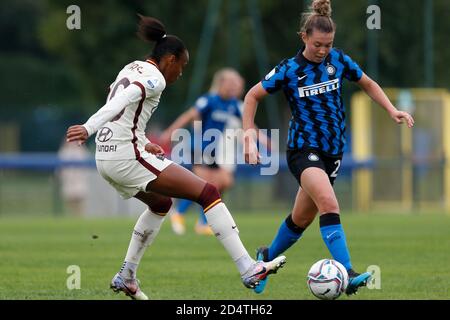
{"x": 411, "y": 250}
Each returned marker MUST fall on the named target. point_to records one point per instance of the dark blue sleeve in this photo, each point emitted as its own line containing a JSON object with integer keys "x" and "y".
{"x": 352, "y": 71}
{"x": 202, "y": 104}
{"x": 276, "y": 78}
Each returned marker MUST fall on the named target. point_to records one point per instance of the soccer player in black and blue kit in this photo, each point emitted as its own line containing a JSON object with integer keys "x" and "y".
{"x": 312, "y": 83}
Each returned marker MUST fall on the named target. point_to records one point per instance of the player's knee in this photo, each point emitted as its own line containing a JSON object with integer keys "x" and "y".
{"x": 161, "y": 206}
{"x": 327, "y": 203}
{"x": 209, "y": 195}
{"x": 227, "y": 182}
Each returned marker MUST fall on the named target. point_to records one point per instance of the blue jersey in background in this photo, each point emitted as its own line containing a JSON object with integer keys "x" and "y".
{"x": 217, "y": 113}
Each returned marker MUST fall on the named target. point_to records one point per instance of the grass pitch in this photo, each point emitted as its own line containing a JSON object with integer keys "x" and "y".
{"x": 412, "y": 252}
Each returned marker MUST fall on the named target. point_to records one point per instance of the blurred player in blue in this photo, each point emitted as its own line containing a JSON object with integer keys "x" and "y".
{"x": 312, "y": 83}
{"x": 219, "y": 109}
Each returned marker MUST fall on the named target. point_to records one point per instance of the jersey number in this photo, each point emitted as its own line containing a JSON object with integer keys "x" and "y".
{"x": 125, "y": 83}
{"x": 338, "y": 165}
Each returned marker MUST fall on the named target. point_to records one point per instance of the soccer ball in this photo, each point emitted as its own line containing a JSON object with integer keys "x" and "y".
{"x": 327, "y": 279}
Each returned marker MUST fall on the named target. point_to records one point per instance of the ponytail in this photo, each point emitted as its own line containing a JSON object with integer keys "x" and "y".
{"x": 318, "y": 17}
{"x": 152, "y": 30}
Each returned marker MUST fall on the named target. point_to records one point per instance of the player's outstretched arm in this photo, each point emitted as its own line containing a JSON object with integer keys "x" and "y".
{"x": 377, "y": 94}
{"x": 184, "y": 119}
{"x": 251, "y": 100}
{"x": 111, "y": 109}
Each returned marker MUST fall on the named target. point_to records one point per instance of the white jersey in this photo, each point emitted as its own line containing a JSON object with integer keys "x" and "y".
{"x": 120, "y": 124}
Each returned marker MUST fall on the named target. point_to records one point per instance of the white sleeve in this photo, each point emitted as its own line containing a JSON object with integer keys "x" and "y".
{"x": 113, "y": 107}
{"x": 152, "y": 85}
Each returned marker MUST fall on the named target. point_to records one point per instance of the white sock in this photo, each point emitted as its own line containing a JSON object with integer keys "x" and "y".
{"x": 145, "y": 231}
{"x": 226, "y": 231}
{"x": 128, "y": 270}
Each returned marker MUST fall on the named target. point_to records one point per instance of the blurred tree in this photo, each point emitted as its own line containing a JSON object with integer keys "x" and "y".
{"x": 441, "y": 43}
{"x": 27, "y": 68}
{"x": 71, "y": 69}
{"x": 97, "y": 51}
{"x": 108, "y": 29}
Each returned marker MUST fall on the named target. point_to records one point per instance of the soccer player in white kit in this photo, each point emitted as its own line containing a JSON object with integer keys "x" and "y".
{"x": 136, "y": 167}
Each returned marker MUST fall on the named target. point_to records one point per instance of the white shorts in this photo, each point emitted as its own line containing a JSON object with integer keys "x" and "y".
{"x": 129, "y": 177}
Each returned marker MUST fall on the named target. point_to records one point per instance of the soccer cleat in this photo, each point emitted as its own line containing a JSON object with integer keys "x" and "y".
{"x": 129, "y": 286}
{"x": 178, "y": 224}
{"x": 203, "y": 229}
{"x": 356, "y": 280}
{"x": 262, "y": 254}
{"x": 260, "y": 270}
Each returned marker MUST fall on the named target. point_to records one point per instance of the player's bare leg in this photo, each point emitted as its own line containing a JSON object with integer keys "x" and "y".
{"x": 305, "y": 210}
{"x": 176, "y": 181}
{"x": 145, "y": 231}
{"x": 317, "y": 184}
{"x": 302, "y": 216}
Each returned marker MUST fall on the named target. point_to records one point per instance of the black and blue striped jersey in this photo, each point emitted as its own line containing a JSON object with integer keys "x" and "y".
{"x": 314, "y": 93}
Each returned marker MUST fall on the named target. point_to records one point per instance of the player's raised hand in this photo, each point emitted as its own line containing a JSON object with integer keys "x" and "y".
{"x": 77, "y": 133}
{"x": 403, "y": 116}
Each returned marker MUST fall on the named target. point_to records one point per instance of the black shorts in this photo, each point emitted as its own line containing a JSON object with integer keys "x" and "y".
{"x": 299, "y": 160}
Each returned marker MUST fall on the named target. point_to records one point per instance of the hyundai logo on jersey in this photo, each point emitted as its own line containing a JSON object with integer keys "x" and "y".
{"x": 104, "y": 134}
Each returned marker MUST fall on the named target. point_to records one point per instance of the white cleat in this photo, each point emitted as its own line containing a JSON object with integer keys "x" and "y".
{"x": 260, "y": 270}
{"x": 129, "y": 286}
